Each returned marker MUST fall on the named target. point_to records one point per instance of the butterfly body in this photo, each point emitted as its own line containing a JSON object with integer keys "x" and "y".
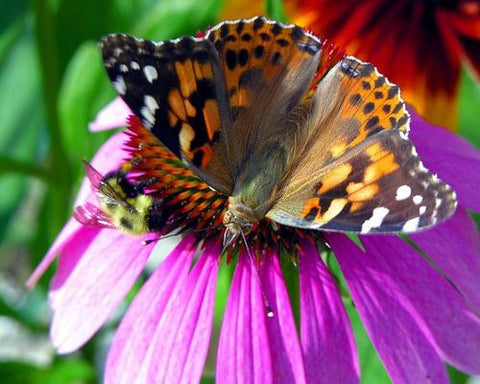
{"x": 243, "y": 108}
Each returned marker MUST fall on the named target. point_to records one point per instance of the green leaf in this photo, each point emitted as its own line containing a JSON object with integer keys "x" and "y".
{"x": 469, "y": 106}
{"x": 11, "y": 12}
{"x": 65, "y": 371}
{"x": 22, "y": 133}
{"x": 276, "y": 10}
{"x": 171, "y": 19}
{"x": 84, "y": 87}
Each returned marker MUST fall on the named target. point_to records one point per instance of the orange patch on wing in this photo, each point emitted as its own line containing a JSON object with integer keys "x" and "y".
{"x": 310, "y": 204}
{"x": 353, "y": 187}
{"x": 380, "y": 168}
{"x": 175, "y": 101}
{"x": 335, "y": 177}
{"x": 186, "y": 76}
{"x": 356, "y": 205}
{"x": 241, "y": 98}
{"x": 203, "y": 71}
{"x": 186, "y": 135}
{"x": 207, "y": 154}
{"x": 375, "y": 152}
{"x": 365, "y": 193}
{"x": 191, "y": 111}
{"x": 172, "y": 119}
{"x": 211, "y": 115}
{"x": 333, "y": 210}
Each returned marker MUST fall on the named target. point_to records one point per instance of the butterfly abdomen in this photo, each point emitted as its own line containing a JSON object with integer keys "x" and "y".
{"x": 259, "y": 179}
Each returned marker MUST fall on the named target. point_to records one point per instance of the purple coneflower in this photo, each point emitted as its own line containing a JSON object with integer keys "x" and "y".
{"x": 419, "y": 300}
{"x": 420, "y": 306}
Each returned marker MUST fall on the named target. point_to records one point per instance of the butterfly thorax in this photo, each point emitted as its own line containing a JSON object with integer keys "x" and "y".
{"x": 255, "y": 189}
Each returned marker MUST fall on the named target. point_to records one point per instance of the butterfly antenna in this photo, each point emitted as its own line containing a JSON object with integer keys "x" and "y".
{"x": 266, "y": 303}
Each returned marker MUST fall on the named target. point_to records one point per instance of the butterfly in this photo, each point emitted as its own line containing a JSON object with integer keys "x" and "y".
{"x": 242, "y": 108}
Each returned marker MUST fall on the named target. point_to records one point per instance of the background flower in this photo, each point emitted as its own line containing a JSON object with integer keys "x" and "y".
{"x": 395, "y": 296}
{"x": 420, "y": 45}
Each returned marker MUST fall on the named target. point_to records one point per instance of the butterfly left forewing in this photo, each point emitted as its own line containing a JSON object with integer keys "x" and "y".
{"x": 357, "y": 170}
{"x": 176, "y": 87}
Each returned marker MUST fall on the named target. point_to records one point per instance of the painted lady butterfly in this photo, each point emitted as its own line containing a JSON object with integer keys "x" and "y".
{"x": 238, "y": 107}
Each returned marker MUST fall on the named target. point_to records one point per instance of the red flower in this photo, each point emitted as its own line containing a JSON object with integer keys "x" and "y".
{"x": 419, "y": 45}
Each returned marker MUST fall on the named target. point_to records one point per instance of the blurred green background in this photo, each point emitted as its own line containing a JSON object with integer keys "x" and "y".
{"x": 52, "y": 84}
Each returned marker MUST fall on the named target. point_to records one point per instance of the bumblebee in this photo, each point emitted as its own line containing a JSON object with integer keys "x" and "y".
{"x": 123, "y": 204}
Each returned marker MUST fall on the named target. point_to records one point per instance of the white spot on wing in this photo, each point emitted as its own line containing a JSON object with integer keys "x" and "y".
{"x": 123, "y": 68}
{"x": 150, "y": 73}
{"x": 134, "y": 65}
{"x": 148, "y": 110}
{"x": 422, "y": 209}
{"x": 376, "y": 220}
{"x": 422, "y": 167}
{"x": 150, "y": 103}
{"x": 403, "y": 192}
{"x": 119, "y": 85}
{"x": 438, "y": 202}
{"x": 417, "y": 199}
{"x": 411, "y": 225}
{"x": 148, "y": 118}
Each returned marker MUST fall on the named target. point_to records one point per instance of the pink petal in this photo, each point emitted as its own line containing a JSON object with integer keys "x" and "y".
{"x": 72, "y": 230}
{"x": 92, "y": 278}
{"x": 247, "y": 351}
{"x": 454, "y": 159}
{"x": 180, "y": 344}
{"x": 454, "y": 246}
{"x": 108, "y": 158}
{"x": 408, "y": 355}
{"x": 114, "y": 115}
{"x": 437, "y": 306}
{"x": 286, "y": 354}
{"x": 327, "y": 336}
{"x": 244, "y": 354}
{"x": 136, "y": 332}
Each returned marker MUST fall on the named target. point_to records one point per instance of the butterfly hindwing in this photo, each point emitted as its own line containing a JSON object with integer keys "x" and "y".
{"x": 379, "y": 186}
{"x": 358, "y": 170}
{"x": 176, "y": 88}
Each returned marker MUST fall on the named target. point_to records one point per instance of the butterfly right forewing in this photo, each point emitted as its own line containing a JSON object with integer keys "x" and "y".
{"x": 268, "y": 68}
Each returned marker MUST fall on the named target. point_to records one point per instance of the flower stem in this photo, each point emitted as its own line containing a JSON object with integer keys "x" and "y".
{"x": 58, "y": 171}
{"x": 9, "y": 165}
